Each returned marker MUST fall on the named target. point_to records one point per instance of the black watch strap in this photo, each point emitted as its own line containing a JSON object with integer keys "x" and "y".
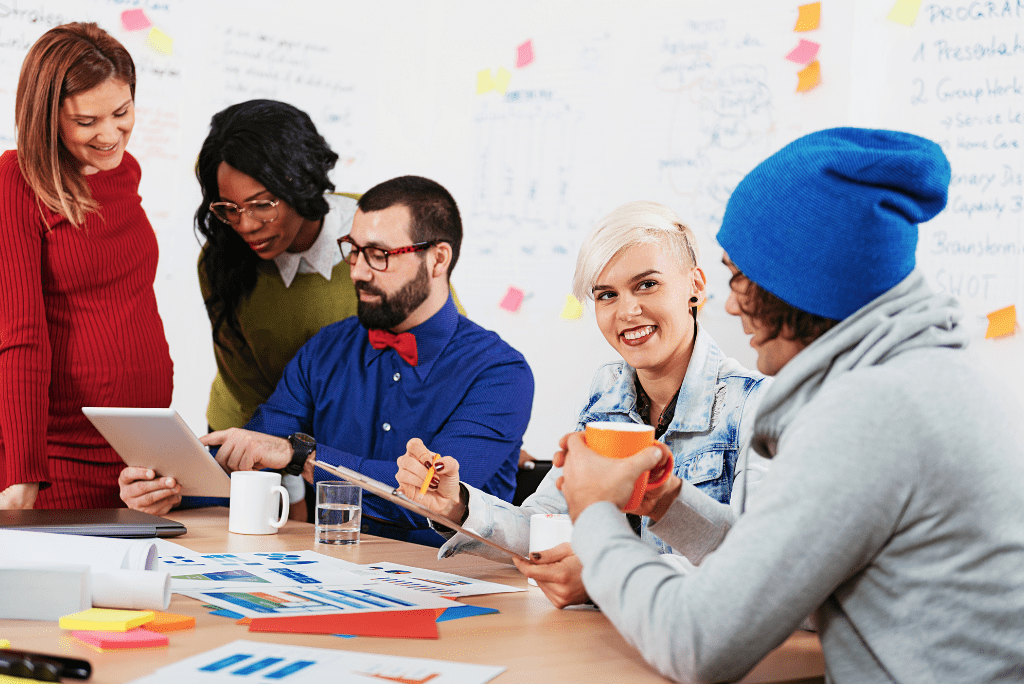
{"x": 302, "y": 446}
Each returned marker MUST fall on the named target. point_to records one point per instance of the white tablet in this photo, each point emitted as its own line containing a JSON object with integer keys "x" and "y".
{"x": 160, "y": 440}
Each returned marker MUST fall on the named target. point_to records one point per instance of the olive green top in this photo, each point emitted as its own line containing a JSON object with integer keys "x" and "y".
{"x": 275, "y": 321}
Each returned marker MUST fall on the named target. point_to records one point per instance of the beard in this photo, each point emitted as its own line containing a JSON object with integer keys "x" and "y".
{"x": 392, "y": 309}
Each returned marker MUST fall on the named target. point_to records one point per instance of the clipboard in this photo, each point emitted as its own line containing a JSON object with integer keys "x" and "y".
{"x": 396, "y": 497}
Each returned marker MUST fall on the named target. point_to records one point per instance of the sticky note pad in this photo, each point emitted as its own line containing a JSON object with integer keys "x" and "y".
{"x": 904, "y": 12}
{"x": 160, "y": 41}
{"x": 524, "y": 54}
{"x": 110, "y": 641}
{"x": 1002, "y": 322}
{"x": 107, "y": 619}
{"x": 502, "y": 80}
{"x": 809, "y": 77}
{"x": 169, "y": 622}
{"x": 804, "y": 52}
{"x": 484, "y": 83}
{"x": 4, "y": 643}
{"x": 809, "y": 17}
{"x": 512, "y": 300}
{"x": 572, "y": 309}
{"x": 135, "y": 20}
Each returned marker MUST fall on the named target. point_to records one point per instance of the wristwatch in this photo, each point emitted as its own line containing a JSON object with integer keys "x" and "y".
{"x": 302, "y": 446}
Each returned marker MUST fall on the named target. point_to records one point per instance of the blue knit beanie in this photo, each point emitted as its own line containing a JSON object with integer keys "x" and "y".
{"x": 829, "y": 222}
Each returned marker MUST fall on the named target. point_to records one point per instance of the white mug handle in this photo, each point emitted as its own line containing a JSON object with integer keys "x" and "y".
{"x": 284, "y": 507}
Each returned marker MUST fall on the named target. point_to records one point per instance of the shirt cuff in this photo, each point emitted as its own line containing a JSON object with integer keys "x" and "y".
{"x": 296, "y": 487}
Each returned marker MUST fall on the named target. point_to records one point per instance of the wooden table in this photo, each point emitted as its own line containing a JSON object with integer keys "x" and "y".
{"x": 534, "y": 640}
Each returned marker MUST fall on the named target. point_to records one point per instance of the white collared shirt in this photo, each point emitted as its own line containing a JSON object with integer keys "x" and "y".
{"x": 323, "y": 255}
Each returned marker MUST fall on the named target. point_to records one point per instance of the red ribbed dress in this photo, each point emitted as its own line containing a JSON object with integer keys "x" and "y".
{"x": 79, "y": 326}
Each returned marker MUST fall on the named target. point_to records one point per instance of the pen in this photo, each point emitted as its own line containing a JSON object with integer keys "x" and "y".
{"x": 42, "y": 667}
{"x": 430, "y": 475}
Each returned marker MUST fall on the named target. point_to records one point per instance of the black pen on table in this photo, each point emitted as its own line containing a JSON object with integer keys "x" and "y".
{"x": 42, "y": 667}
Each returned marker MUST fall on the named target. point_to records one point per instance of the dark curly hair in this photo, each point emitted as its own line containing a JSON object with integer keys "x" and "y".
{"x": 279, "y": 146}
{"x": 775, "y": 314}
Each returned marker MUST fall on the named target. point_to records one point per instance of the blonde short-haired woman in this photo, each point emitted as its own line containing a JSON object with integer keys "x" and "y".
{"x": 640, "y": 267}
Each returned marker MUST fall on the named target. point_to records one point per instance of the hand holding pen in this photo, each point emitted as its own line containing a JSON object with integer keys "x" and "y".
{"x": 431, "y": 480}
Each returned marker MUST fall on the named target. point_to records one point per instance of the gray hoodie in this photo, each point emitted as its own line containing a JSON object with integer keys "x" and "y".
{"x": 893, "y": 510}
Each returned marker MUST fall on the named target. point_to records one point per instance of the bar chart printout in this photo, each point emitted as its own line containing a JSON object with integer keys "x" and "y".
{"x": 250, "y": 661}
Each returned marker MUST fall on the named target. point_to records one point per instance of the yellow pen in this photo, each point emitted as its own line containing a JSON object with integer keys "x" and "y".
{"x": 430, "y": 475}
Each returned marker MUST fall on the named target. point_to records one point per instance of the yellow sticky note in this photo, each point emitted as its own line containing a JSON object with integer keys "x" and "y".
{"x": 1002, "y": 322}
{"x": 502, "y": 80}
{"x": 4, "y": 643}
{"x": 106, "y": 619}
{"x": 160, "y": 41}
{"x": 904, "y": 12}
{"x": 484, "y": 82}
{"x": 8, "y": 679}
{"x": 809, "y": 17}
{"x": 572, "y": 309}
{"x": 809, "y": 77}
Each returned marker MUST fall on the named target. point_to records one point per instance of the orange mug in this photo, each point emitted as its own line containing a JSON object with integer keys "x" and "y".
{"x": 622, "y": 440}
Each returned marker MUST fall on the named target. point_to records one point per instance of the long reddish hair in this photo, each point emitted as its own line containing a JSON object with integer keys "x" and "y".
{"x": 65, "y": 61}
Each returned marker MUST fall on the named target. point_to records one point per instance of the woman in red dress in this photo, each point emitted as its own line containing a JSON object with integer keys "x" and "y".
{"x": 79, "y": 324}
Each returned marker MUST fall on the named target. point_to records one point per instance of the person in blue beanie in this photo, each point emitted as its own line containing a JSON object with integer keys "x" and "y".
{"x": 893, "y": 512}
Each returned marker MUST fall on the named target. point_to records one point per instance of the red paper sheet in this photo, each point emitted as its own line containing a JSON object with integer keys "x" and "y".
{"x": 407, "y": 624}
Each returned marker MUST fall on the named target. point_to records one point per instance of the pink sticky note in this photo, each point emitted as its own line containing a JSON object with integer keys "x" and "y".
{"x": 804, "y": 53}
{"x": 524, "y": 54}
{"x": 512, "y": 299}
{"x": 135, "y": 20}
{"x": 140, "y": 637}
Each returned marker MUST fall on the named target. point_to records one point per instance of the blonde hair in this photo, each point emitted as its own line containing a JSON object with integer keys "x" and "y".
{"x": 65, "y": 61}
{"x": 631, "y": 224}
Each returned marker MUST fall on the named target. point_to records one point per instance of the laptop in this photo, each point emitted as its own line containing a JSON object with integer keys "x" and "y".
{"x": 92, "y": 522}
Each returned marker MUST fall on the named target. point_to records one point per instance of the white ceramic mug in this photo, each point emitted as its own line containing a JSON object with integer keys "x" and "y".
{"x": 548, "y": 530}
{"x": 254, "y": 506}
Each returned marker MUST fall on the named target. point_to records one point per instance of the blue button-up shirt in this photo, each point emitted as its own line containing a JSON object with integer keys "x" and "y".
{"x": 469, "y": 396}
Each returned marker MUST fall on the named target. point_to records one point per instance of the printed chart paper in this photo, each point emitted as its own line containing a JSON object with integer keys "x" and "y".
{"x": 430, "y": 581}
{"x": 249, "y": 661}
{"x": 219, "y": 571}
{"x": 369, "y": 597}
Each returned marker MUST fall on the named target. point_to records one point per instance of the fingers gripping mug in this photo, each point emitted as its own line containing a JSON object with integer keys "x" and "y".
{"x": 254, "y": 503}
{"x": 622, "y": 440}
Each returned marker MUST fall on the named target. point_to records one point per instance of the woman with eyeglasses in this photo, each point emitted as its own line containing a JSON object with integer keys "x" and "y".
{"x": 79, "y": 324}
{"x": 271, "y": 272}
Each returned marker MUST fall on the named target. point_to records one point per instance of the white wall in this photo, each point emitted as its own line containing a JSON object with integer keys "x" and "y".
{"x": 668, "y": 101}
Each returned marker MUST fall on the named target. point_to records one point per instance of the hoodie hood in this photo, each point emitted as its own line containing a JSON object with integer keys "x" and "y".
{"x": 908, "y": 316}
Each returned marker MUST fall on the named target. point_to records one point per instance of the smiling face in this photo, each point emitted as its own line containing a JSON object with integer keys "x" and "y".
{"x": 772, "y": 353}
{"x": 288, "y": 232}
{"x": 642, "y": 303}
{"x": 95, "y": 125}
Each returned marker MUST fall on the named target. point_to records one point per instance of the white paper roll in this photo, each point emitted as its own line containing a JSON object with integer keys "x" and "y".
{"x": 99, "y": 553}
{"x": 131, "y": 589}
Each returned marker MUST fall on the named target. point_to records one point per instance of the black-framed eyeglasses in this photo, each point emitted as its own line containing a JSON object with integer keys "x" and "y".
{"x": 377, "y": 258}
{"x": 264, "y": 210}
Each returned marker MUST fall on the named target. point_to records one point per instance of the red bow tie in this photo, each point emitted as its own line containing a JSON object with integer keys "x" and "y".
{"x": 403, "y": 343}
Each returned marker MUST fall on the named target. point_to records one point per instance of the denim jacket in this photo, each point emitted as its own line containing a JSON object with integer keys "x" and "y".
{"x": 713, "y": 423}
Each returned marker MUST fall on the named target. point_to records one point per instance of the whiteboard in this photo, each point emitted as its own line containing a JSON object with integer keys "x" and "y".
{"x": 670, "y": 101}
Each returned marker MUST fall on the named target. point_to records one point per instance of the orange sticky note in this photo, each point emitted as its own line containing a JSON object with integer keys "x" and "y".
{"x": 1002, "y": 322}
{"x": 169, "y": 622}
{"x": 809, "y": 77}
{"x": 809, "y": 17}
{"x": 904, "y": 12}
{"x": 572, "y": 309}
{"x": 804, "y": 52}
{"x": 502, "y": 80}
{"x": 135, "y": 20}
{"x": 524, "y": 54}
{"x": 484, "y": 83}
{"x": 512, "y": 300}
{"x": 160, "y": 41}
